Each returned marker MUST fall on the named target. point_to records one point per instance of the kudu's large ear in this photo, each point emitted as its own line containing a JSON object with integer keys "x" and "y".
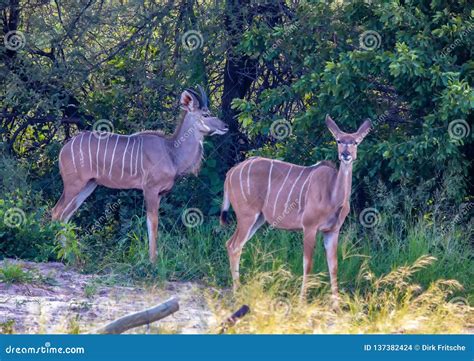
{"x": 363, "y": 130}
{"x": 189, "y": 102}
{"x": 332, "y": 126}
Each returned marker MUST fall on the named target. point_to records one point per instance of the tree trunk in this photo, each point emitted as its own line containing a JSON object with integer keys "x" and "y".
{"x": 237, "y": 75}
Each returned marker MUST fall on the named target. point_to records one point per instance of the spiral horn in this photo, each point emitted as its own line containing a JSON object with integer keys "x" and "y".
{"x": 205, "y": 100}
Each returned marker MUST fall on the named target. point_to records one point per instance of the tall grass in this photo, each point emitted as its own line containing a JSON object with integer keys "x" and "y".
{"x": 200, "y": 254}
{"x": 390, "y": 303}
{"x": 415, "y": 225}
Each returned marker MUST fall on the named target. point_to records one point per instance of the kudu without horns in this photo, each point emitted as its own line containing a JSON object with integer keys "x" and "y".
{"x": 148, "y": 160}
{"x": 288, "y": 196}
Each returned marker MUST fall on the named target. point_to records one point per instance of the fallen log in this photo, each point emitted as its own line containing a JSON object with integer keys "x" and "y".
{"x": 140, "y": 318}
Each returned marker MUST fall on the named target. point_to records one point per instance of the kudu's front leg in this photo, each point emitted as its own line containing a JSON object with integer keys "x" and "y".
{"x": 152, "y": 201}
{"x": 330, "y": 243}
{"x": 308, "y": 244}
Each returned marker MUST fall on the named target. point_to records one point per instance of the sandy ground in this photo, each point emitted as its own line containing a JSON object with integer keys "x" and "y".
{"x": 64, "y": 301}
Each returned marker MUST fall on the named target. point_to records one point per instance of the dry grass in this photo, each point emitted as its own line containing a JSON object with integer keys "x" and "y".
{"x": 387, "y": 304}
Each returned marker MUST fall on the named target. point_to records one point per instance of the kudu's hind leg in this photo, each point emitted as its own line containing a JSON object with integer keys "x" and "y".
{"x": 152, "y": 200}
{"x": 330, "y": 244}
{"x": 74, "y": 194}
{"x": 309, "y": 240}
{"x": 246, "y": 228}
{"x": 57, "y": 209}
{"x": 234, "y": 270}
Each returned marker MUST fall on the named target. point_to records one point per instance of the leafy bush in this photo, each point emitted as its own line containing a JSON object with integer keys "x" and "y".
{"x": 414, "y": 82}
{"x": 14, "y": 273}
{"x": 26, "y": 230}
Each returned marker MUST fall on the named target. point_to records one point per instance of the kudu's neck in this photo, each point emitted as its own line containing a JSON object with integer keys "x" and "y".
{"x": 186, "y": 148}
{"x": 343, "y": 184}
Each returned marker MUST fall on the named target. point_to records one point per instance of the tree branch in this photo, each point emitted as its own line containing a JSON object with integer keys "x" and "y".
{"x": 140, "y": 318}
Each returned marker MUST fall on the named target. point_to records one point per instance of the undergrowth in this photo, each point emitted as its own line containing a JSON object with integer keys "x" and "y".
{"x": 389, "y": 303}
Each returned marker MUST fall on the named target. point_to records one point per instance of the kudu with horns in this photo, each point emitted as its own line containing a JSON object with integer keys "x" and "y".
{"x": 148, "y": 160}
{"x": 288, "y": 196}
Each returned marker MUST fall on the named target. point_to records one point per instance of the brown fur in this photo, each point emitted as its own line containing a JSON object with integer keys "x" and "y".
{"x": 288, "y": 196}
{"x": 149, "y": 160}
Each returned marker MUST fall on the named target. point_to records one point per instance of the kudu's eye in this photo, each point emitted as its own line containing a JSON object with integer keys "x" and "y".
{"x": 339, "y": 142}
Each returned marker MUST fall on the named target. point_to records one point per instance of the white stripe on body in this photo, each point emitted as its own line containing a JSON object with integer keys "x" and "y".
{"x": 282, "y": 185}
{"x": 293, "y": 187}
{"x": 123, "y": 158}
{"x": 307, "y": 189}
{"x": 72, "y": 154}
{"x": 90, "y": 155}
{"x": 131, "y": 157}
{"x": 97, "y": 156}
{"x": 81, "y": 154}
{"x": 60, "y": 155}
{"x": 113, "y": 156}
{"x": 230, "y": 179}
{"x": 240, "y": 181}
{"x": 301, "y": 192}
{"x": 309, "y": 185}
{"x": 248, "y": 175}
{"x": 269, "y": 186}
{"x": 105, "y": 153}
{"x": 141, "y": 158}
{"x": 136, "y": 156}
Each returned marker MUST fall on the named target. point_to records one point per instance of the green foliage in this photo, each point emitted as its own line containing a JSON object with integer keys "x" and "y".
{"x": 14, "y": 273}
{"x": 68, "y": 248}
{"x": 413, "y": 80}
{"x": 90, "y": 290}
{"x": 25, "y": 229}
{"x": 7, "y": 327}
{"x": 407, "y": 82}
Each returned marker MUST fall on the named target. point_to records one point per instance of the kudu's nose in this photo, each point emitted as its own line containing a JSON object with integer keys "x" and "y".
{"x": 346, "y": 155}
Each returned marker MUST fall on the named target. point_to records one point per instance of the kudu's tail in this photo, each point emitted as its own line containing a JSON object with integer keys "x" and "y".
{"x": 225, "y": 207}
